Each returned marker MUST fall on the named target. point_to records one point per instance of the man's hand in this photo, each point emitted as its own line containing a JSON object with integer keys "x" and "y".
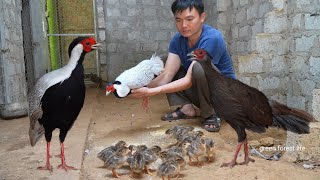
{"x": 143, "y": 92}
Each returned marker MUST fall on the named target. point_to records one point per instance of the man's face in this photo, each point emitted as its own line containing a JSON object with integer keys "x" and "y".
{"x": 189, "y": 22}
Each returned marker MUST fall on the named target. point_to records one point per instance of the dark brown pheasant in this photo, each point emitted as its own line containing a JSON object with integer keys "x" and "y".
{"x": 244, "y": 107}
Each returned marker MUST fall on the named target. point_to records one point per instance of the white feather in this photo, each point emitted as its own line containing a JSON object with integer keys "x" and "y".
{"x": 139, "y": 75}
{"x": 54, "y": 77}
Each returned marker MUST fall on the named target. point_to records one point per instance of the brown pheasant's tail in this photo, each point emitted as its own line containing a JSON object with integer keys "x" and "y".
{"x": 290, "y": 119}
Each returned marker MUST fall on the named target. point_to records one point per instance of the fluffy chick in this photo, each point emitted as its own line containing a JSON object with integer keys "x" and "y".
{"x": 195, "y": 149}
{"x": 150, "y": 155}
{"x": 117, "y": 160}
{"x": 170, "y": 168}
{"x": 209, "y": 148}
{"x": 107, "y": 152}
{"x": 136, "y": 164}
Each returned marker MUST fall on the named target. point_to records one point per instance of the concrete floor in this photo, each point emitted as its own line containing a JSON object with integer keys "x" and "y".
{"x": 106, "y": 120}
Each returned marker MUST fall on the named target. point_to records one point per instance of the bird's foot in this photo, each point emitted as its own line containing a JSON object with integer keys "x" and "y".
{"x": 115, "y": 174}
{"x": 66, "y": 167}
{"x": 229, "y": 164}
{"x": 148, "y": 171}
{"x": 46, "y": 167}
{"x": 246, "y": 161}
{"x": 200, "y": 164}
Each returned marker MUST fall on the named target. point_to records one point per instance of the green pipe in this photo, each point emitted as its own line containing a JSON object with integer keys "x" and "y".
{"x": 53, "y": 29}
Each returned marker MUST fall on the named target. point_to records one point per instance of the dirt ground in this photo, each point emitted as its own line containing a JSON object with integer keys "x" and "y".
{"x": 105, "y": 120}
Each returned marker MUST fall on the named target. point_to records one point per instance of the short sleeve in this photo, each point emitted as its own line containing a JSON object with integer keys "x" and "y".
{"x": 173, "y": 46}
{"x": 215, "y": 46}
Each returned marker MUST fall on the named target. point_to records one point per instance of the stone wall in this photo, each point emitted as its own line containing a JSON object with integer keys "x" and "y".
{"x": 13, "y": 96}
{"x": 133, "y": 30}
{"x": 275, "y": 47}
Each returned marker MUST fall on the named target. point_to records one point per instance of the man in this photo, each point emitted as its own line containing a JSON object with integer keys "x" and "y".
{"x": 189, "y": 85}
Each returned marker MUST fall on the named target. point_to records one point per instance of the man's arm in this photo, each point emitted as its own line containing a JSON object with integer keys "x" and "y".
{"x": 175, "y": 86}
{"x": 171, "y": 68}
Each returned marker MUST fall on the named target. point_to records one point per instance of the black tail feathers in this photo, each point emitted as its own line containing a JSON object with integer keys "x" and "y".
{"x": 290, "y": 119}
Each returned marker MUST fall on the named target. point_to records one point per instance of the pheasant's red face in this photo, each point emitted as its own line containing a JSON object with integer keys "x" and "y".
{"x": 89, "y": 44}
{"x": 200, "y": 54}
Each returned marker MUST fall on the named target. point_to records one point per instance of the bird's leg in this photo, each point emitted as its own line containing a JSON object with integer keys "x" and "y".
{"x": 114, "y": 173}
{"x": 145, "y": 103}
{"x": 199, "y": 163}
{"x": 247, "y": 159}
{"x": 63, "y": 164}
{"x": 146, "y": 169}
{"x": 48, "y": 165}
{"x": 190, "y": 161}
{"x": 131, "y": 174}
{"x": 234, "y": 160}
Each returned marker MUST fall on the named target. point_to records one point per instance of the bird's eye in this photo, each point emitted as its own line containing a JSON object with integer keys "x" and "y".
{"x": 87, "y": 43}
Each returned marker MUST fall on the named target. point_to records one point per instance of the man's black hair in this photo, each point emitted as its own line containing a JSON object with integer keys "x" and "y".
{"x": 180, "y": 5}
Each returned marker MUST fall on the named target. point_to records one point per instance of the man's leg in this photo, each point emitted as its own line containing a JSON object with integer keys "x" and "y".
{"x": 202, "y": 99}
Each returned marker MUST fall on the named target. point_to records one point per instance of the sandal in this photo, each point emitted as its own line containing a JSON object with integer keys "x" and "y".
{"x": 211, "y": 121}
{"x": 180, "y": 115}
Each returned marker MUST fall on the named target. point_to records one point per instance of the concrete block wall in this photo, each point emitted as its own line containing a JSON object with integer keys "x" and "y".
{"x": 13, "y": 95}
{"x": 275, "y": 47}
{"x": 132, "y": 31}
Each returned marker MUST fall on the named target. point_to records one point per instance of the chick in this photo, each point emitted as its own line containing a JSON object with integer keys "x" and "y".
{"x": 169, "y": 168}
{"x": 134, "y": 148}
{"x": 209, "y": 148}
{"x": 150, "y": 156}
{"x": 179, "y": 132}
{"x": 107, "y": 152}
{"x": 136, "y": 164}
{"x": 195, "y": 149}
{"x": 117, "y": 160}
{"x": 169, "y": 154}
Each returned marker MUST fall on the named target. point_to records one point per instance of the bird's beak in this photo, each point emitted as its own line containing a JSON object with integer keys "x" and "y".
{"x": 192, "y": 56}
{"x": 109, "y": 89}
{"x": 96, "y": 46}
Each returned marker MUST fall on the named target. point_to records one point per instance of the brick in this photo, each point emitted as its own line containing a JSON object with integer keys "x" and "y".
{"x": 241, "y": 16}
{"x": 296, "y": 102}
{"x": 131, "y": 2}
{"x": 314, "y": 66}
{"x": 271, "y": 43}
{"x": 304, "y": 43}
{"x": 112, "y": 12}
{"x": 275, "y": 23}
{"x": 244, "y": 31}
{"x": 312, "y": 22}
{"x": 302, "y": 3}
{"x": 252, "y": 11}
{"x": 236, "y": 4}
{"x": 222, "y": 5}
{"x": 149, "y": 2}
{"x": 250, "y": 64}
{"x": 268, "y": 83}
{"x": 257, "y": 28}
{"x": 264, "y": 8}
{"x": 278, "y": 4}
{"x": 244, "y": 2}
{"x": 316, "y": 104}
{"x": 296, "y": 21}
{"x": 278, "y": 64}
